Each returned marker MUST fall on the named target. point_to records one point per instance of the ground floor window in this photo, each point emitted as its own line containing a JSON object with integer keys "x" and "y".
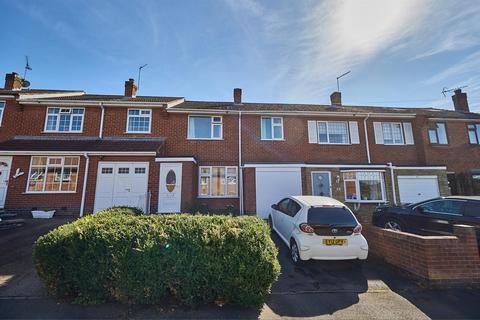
{"x": 53, "y": 174}
{"x": 217, "y": 181}
{"x": 364, "y": 186}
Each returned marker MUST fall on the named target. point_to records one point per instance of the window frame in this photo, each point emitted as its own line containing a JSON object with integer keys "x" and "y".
{"x": 272, "y": 125}
{"x": 142, "y": 116}
{"x": 357, "y": 187}
{"x": 212, "y": 125}
{"x": 328, "y": 132}
{"x": 200, "y": 175}
{"x": 46, "y": 166}
{"x": 402, "y": 134}
{"x": 436, "y": 134}
{"x": 2, "y": 110}
{"x": 57, "y": 126}
{"x": 476, "y": 129}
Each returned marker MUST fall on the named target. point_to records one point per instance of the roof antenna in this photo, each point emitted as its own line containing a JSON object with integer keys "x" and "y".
{"x": 139, "y": 73}
{"x": 338, "y": 84}
{"x": 445, "y": 90}
{"x": 25, "y": 83}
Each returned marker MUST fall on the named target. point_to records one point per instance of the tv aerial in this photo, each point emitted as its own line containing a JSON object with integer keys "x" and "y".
{"x": 25, "y": 83}
{"x": 139, "y": 73}
{"x": 340, "y": 76}
{"x": 446, "y": 90}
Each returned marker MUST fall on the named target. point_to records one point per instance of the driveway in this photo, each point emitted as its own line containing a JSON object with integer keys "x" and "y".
{"x": 332, "y": 290}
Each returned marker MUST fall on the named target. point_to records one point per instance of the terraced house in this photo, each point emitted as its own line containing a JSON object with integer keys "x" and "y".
{"x": 79, "y": 153}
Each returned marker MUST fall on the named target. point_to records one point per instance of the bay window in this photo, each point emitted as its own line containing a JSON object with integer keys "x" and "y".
{"x": 332, "y": 132}
{"x": 217, "y": 181}
{"x": 205, "y": 127}
{"x": 364, "y": 186}
{"x": 53, "y": 174}
{"x": 64, "y": 120}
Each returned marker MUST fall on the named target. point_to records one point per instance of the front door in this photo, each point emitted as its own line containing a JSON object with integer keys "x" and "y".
{"x": 321, "y": 185}
{"x": 5, "y": 163}
{"x": 170, "y": 188}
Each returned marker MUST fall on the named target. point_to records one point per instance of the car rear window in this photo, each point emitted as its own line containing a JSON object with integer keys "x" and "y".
{"x": 338, "y": 216}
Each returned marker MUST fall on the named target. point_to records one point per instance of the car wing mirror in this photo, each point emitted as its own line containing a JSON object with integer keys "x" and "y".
{"x": 274, "y": 206}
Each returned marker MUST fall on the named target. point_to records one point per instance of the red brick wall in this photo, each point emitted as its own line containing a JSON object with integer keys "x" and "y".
{"x": 12, "y": 120}
{"x": 249, "y": 190}
{"x": 429, "y": 257}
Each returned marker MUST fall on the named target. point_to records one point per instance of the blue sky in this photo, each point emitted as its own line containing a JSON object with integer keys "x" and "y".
{"x": 400, "y": 53}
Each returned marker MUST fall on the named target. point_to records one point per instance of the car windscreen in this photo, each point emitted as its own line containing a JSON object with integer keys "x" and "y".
{"x": 330, "y": 216}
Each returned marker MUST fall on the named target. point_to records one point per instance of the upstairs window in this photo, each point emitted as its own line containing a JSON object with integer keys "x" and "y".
{"x": 272, "y": 128}
{"x": 139, "y": 120}
{"x": 2, "y": 108}
{"x": 474, "y": 133}
{"x": 392, "y": 133}
{"x": 332, "y": 132}
{"x": 205, "y": 127}
{"x": 53, "y": 174}
{"x": 64, "y": 120}
{"x": 438, "y": 134}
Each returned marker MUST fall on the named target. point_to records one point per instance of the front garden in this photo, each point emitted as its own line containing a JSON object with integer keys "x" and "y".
{"x": 118, "y": 254}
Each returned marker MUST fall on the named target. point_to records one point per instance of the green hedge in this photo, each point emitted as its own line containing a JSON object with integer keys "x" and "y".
{"x": 119, "y": 255}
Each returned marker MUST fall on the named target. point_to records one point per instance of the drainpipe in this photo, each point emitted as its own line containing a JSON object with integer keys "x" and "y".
{"x": 390, "y": 165}
{"x": 240, "y": 176}
{"x": 84, "y": 189}
{"x": 100, "y": 134}
{"x": 366, "y": 137}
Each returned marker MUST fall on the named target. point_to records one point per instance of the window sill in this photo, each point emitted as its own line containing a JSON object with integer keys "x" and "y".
{"x": 439, "y": 144}
{"x": 398, "y": 144}
{"x": 49, "y": 192}
{"x": 334, "y": 144}
{"x": 137, "y": 132}
{"x": 207, "y": 139}
{"x": 68, "y": 132}
{"x": 272, "y": 139}
{"x": 219, "y": 197}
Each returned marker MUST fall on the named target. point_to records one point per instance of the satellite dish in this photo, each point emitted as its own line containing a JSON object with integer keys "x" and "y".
{"x": 25, "y": 84}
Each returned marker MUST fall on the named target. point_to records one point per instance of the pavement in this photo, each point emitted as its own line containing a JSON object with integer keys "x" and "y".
{"x": 317, "y": 289}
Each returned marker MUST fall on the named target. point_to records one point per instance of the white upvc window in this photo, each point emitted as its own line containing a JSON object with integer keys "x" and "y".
{"x": 2, "y": 110}
{"x": 272, "y": 128}
{"x": 332, "y": 132}
{"x": 218, "y": 182}
{"x": 364, "y": 186}
{"x": 205, "y": 127}
{"x": 473, "y": 133}
{"x": 64, "y": 119}
{"x": 53, "y": 174}
{"x": 139, "y": 120}
{"x": 438, "y": 134}
{"x": 392, "y": 133}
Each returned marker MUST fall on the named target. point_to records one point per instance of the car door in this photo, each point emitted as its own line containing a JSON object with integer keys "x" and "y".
{"x": 290, "y": 218}
{"x": 439, "y": 216}
{"x": 278, "y": 214}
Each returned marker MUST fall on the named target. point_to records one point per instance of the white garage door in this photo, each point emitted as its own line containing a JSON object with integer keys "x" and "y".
{"x": 121, "y": 184}
{"x": 273, "y": 184}
{"x": 417, "y": 188}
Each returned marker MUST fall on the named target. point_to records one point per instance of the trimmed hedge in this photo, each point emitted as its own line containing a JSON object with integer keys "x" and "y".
{"x": 119, "y": 255}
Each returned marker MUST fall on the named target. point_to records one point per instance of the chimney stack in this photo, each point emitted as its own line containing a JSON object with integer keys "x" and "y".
{"x": 13, "y": 81}
{"x": 237, "y": 96}
{"x": 336, "y": 98}
{"x": 460, "y": 102}
{"x": 130, "y": 88}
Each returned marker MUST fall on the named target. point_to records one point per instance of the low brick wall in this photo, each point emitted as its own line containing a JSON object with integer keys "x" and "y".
{"x": 437, "y": 258}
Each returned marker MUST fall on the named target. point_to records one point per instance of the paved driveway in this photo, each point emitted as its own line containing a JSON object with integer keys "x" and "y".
{"x": 318, "y": 289}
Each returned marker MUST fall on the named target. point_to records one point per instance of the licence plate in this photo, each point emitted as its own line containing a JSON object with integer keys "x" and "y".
{"x": 335, "y": 242}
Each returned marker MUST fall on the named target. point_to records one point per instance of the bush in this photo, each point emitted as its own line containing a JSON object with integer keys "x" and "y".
{"x": 118, "y": 255}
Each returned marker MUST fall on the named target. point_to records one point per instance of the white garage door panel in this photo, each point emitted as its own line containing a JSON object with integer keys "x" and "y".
{"x": 273, "y": 184}
{"x": 121, "y": 184}
{"x": 417, "y": 188}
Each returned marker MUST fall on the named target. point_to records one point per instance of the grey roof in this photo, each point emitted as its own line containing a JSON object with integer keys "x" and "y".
{"x": 284, "y": 107}
{"x": 116, "y": 98}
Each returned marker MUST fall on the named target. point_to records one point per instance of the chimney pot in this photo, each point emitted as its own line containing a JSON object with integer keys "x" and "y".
{"x": 130, "y": 88}
{"x": 13, "y": 81}
{"x": 460, "y": 101}
{"x": 237, "y": 96}
{"x": 336, "y": 98}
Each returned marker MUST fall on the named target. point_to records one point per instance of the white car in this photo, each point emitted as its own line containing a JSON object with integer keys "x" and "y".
{"x": 319, "y": 228}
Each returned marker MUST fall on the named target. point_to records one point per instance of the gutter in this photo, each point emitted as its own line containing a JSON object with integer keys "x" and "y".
{"x": 367, "y": 144}
{"x": 85, "y": 180}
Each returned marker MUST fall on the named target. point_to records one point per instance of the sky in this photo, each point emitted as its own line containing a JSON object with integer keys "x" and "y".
{"x": 400, "y": 53}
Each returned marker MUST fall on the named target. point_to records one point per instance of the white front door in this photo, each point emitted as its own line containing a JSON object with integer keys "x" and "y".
{"x": 414, "y": 189}
{"x": 170, "y": 188}
{"x": 5, "y": 164}
{"x": 122, "y": 184}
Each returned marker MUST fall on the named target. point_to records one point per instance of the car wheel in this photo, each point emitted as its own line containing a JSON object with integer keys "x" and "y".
{"x": 295, "y": 253}
{"x": 394, "y": 224}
